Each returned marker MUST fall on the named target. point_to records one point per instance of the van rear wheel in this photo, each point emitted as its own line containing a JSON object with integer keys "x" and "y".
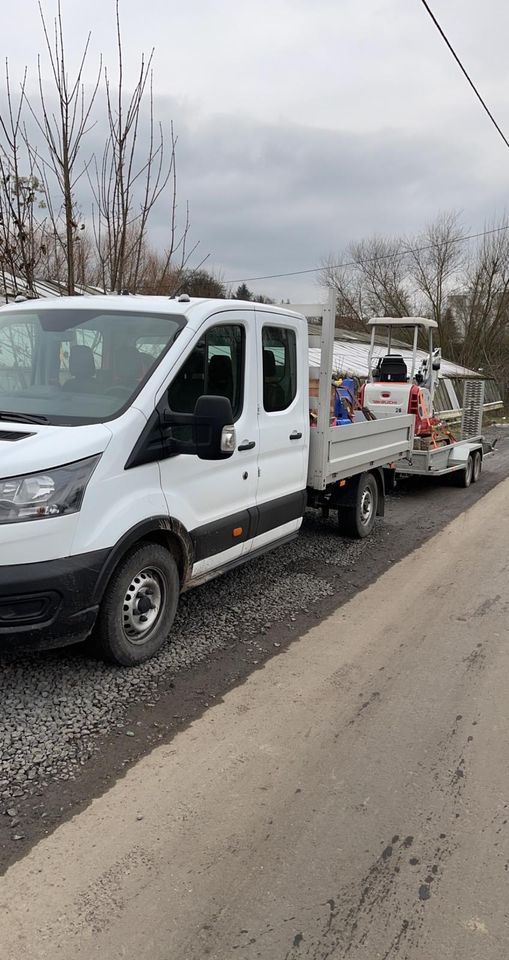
{"x": 358, "y": 520}
{"x": 139, "y": 606}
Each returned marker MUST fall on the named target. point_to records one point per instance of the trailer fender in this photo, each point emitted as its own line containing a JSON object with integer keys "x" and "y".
{"x": 462, "y": 451}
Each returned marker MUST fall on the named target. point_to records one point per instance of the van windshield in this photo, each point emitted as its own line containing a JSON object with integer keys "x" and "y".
{"x": 74, "y": 366}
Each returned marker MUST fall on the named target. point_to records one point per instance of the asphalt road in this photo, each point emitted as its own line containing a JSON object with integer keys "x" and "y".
{"x": 350, "y": 799}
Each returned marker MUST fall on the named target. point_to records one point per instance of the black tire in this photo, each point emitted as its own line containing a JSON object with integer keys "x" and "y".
{"x": 477, "y": 466}
{"x": 358, "y": 521}
{"x": 463, "y": 478}
{"x": 127, "y": 631}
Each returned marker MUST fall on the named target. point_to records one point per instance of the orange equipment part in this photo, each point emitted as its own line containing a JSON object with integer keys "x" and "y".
{"x": 418, "y": 407}
{"x": 426, "y": 425}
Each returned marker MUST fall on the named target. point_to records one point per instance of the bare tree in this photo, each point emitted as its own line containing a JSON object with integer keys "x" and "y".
{"x": 135, "y": 170}
{"x": 381, "y": 262}
{"x": 372, "y": 281}
{"x": 435, "y": 258}
{"x": 481, "y": 305}
{"x": 21, "y": 197}
{"x": 347, "y": 282}
{"x": 63, "y": 132}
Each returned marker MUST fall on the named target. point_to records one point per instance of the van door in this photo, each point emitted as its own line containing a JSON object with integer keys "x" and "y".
{"x": 283, "y": 418}
{"x": 216, "y": 500}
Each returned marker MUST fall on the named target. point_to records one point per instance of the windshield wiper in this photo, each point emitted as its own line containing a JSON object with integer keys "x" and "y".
{"x": 23, "y": 417}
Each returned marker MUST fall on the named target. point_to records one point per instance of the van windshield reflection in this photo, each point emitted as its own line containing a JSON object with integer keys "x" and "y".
{"x": 77, "y": 366}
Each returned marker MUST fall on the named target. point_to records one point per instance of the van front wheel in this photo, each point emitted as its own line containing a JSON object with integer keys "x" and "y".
{"x": 139, "y": 606}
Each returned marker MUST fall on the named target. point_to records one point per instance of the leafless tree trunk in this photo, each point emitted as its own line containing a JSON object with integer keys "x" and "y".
{"x": 63, "y": 132}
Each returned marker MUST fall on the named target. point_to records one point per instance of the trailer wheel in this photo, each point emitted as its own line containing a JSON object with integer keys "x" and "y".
{"x": 463, "y": 477}
{"x": 138, "y": 606}
{"x": 358, "y": 520}
{"x": 477, "y": 466}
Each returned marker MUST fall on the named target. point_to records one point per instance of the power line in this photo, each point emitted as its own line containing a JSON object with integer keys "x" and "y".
{"x": 356, "y": 263}
{"x": 464, "y": 71}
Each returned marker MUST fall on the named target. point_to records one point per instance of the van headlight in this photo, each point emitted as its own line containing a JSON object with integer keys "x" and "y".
{"x": 51, "y": 493}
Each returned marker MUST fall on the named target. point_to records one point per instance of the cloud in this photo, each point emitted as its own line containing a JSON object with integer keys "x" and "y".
{"x": 269, "y": 198}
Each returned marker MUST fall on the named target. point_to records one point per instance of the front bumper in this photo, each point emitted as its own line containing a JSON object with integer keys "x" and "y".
{"x": 49, "y": 604}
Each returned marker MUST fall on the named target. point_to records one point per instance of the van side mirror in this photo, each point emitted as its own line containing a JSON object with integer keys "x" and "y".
{"x": 213, "y": 429}
{"x": 209, "y": 432}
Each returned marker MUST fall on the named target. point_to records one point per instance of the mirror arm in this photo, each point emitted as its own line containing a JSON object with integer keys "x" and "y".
{"x": 170, "y": 419}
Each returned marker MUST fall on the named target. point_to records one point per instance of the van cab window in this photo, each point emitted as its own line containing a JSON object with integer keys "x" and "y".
{"x": 215, "y": 367}
{"x": 78, "y": 365}
{"x": 279, "y": 355}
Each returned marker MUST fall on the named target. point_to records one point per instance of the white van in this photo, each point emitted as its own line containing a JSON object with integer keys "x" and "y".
{"x": 148, "y": 444}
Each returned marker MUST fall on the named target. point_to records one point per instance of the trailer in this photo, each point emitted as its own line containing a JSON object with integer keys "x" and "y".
{"x": 392, "y": 389}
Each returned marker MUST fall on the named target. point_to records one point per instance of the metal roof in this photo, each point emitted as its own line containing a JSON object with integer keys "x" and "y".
{"x": 352, "y": 357}
{"x": 12, "y": 286}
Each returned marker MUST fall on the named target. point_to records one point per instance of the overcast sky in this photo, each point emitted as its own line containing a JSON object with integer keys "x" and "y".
{"x": 304, "y": 125}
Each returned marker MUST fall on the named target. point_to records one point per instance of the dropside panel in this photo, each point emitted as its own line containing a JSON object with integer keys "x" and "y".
{"x": 357, "y": 447}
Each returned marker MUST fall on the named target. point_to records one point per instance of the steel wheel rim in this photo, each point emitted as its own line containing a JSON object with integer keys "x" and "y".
{"x": 143, "y": 604}
{"x": 469, "y": 470}
{"x": 366, "y": 507}
{"x": 477, "y": 467}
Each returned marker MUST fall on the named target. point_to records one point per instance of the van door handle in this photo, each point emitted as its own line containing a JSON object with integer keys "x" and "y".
{"x": 295, "y": 435}
{"x": 246, "y": 445}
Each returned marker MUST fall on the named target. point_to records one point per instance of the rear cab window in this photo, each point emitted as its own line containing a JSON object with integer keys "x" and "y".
{"x": 279, "y": 357}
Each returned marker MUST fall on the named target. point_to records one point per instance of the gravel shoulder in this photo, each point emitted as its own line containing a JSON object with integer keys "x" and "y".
{"x": 71, "y": 726}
